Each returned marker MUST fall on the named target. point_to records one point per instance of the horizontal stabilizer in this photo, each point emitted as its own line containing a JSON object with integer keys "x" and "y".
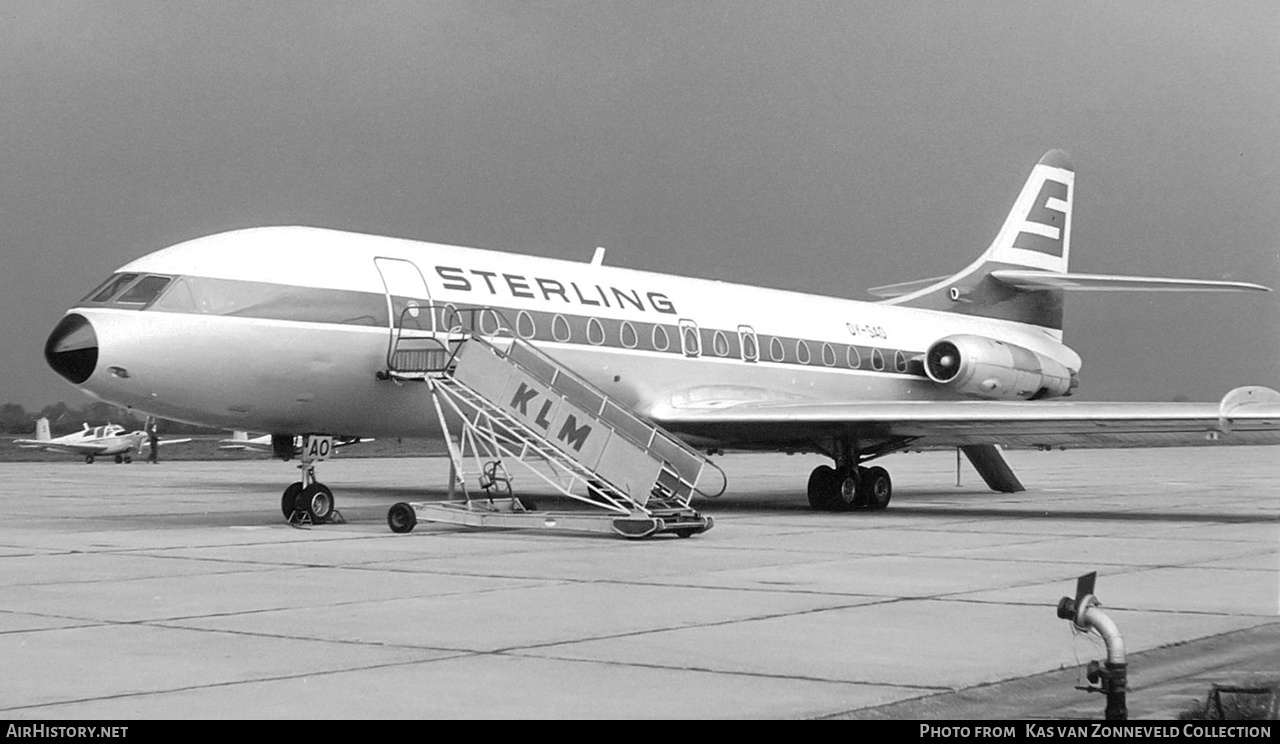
{"x": 1032, "y": 280}
{"x": 902, "y": 288}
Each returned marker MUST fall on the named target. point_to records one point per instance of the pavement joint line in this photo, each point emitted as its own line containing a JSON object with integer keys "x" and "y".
{"x": 453, "y": 653}
{"x": 725, "y": 672}
{"x": 465, "y": 655}
{"x": 698, "y": 626}
{"x": 544, "y": 584}
{"x": 235, "y": 683}
{"x": 175, "y": 623}
{"x": 380, "y": 566}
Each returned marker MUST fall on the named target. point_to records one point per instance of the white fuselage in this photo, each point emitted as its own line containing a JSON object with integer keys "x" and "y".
{"x": 284, "y": 330}
{"x": 103, "y": 441}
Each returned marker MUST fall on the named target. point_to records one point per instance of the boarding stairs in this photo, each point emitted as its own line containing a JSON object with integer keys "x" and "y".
{"x": 500, "y": 401}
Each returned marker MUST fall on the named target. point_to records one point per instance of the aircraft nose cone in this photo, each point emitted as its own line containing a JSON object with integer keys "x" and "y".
{"x": 72, "y": 348}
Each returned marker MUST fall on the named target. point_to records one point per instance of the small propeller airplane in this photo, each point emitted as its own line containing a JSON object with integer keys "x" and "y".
{"x": 108, "y": 440}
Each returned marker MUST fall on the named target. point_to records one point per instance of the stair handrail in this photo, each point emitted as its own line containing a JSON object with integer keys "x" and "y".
{"x": 462, "y": 324}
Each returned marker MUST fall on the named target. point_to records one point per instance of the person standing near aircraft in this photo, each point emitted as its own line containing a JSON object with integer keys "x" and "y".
{"x": 153, "y": 441}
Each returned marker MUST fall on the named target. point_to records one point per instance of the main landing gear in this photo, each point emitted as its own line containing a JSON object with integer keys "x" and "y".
{"x": 848, "y": 486}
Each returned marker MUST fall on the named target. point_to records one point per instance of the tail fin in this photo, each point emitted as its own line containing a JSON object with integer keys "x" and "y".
{"x": 42, "y": 429}
{"x": 1035, "y": 235}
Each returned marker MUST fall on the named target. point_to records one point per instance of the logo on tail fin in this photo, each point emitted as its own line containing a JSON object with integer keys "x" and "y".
{"x": 1045, "y": 228}
{"x": 1037, "y": 232}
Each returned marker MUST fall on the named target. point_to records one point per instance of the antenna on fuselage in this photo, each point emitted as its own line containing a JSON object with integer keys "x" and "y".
{"x": 598, "y": 258}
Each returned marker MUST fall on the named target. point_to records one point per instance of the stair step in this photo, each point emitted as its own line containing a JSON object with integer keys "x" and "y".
{"x": 527, "y": 398}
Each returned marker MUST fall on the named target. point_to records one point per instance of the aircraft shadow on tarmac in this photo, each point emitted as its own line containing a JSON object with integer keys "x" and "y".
{"x": 952, "y": 504}
{"x": 365, "y": 500}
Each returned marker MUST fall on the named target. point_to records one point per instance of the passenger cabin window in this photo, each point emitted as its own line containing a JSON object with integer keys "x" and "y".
{"x": 720, "y": 344}
{"x": 853, "y": 357}
{"x": 899, "y": 361}
{"x": 560, "y": 330}
{"x": 595, "y": 331}
{"x": 877, "y": 360}
{"x": 630, "y": 338}
{"x": 802, "y": 352}
{"x": 525, "y": 326}
{"x": 828, "y": 355}
{"x": 777, "y": 352}
{"x": 452, "y": 320}
{"x": 661, "y": 341}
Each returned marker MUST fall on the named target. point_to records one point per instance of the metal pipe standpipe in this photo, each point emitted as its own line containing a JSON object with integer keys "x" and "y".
{"x": 1086, "y": 614}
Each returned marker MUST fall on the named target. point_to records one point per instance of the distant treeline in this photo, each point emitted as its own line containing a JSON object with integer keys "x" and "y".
{"x": 63, "y": 419}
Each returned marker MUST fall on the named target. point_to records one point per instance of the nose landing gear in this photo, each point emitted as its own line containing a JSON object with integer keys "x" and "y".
{"x": 309, "y": 501}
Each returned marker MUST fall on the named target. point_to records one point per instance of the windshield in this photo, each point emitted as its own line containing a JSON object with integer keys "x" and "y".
{"x": 129, "y": 290}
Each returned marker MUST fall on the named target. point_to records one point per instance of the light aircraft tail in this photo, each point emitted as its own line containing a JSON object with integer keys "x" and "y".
{"x": 1022, "y": 275}
{"x": 42, "y": 429}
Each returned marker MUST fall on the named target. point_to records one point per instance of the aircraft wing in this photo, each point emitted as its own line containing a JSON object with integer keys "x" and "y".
{"x": 83, "y": 448}
{"x": 1245, "y": 416}
{"x": 171, "y": 441}
{"x": 242, "y": 441}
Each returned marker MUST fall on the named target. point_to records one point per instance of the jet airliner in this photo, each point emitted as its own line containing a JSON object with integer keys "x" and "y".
{"x": 287, "y": 330}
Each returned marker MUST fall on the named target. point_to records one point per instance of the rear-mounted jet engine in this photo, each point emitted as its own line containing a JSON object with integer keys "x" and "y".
{"x": 986, "y": 368}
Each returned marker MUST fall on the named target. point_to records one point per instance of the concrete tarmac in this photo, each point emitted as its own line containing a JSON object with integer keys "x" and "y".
{"x": 176, "y": 591}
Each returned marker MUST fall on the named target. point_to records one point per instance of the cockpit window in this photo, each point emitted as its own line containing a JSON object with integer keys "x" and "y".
{"x": 145, "y": 290}
{"x": 129, "y": 291}
{"x": 110, "y": 288}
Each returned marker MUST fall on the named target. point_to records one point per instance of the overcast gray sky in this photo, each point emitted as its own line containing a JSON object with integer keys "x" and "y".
{"x": 821, "y": 147}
